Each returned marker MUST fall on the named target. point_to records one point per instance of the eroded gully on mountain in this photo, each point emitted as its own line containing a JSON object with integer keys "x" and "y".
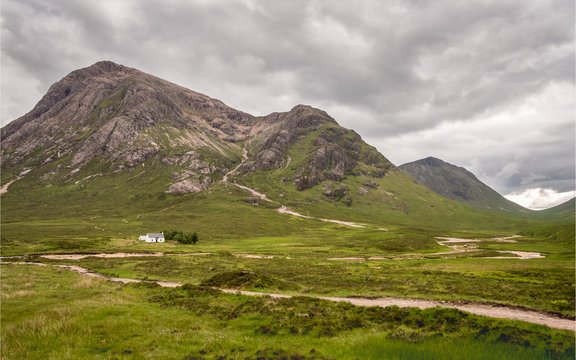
{"x": 282, "y": 209}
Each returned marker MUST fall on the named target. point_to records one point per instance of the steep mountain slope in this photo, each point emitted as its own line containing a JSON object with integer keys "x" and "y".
{"x": 114, "y": 149}
{"x": 121, "y": 118}
{"x": 459, "y": 184}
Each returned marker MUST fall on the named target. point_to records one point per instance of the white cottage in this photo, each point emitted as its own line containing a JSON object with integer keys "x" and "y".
{"x": 152, "y": 237}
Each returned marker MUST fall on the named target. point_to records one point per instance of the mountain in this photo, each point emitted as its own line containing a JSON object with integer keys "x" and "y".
{"x": 122, "y": 118}
{"x": 459, "y": 184}
{"x": 112, "y": 148}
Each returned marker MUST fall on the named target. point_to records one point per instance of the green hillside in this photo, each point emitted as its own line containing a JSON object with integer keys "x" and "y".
{"x": 564, "y": 212}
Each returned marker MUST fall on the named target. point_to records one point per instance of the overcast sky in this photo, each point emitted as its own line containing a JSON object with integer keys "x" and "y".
{"x": 487, "y": 85}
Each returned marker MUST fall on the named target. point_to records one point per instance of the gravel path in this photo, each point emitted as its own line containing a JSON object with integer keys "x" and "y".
{"x": 4, "y": 188}
{"x": 495, "y": 311}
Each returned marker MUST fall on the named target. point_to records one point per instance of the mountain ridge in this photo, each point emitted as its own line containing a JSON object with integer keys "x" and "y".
{"x": 459, "y": 184}
{"x": 564, "y": 211}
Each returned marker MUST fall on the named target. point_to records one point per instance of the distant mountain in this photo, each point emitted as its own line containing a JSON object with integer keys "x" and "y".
{"x": 459, "y": 184}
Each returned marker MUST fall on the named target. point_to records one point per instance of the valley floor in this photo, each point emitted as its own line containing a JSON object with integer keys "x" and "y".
{"x": 300, "y": 286}
{"x": 490, "y": 310}
{"x": 49, "y": 312}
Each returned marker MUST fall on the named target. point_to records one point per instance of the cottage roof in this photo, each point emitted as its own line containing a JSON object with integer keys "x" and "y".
{"x": 151, "y": 235}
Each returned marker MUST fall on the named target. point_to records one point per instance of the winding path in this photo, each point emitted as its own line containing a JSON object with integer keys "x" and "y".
{"x": 282, "y": 209}
{"x": 495, "y": 311}
{"x": 4, "y": 188}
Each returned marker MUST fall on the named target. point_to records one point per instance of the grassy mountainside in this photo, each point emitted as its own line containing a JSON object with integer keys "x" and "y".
{"x": 564, "y": 212}
{"x": 459, "y": 184}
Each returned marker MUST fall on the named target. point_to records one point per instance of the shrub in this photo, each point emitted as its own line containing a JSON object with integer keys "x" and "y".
{"x": 181, "y": 237}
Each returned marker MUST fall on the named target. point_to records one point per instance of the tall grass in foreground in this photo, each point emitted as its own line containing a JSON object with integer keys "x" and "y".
{"x": 381, "y": 348}
{"x": 50, "y": 313}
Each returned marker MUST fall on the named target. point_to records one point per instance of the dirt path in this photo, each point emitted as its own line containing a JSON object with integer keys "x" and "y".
{"x": 254, "y": 192}
{"x": 495, "y": 311}
{"x": 286, "y": 210}
{"x": 4, "y": 188}
{"x": 102, "y": 255}
{"x": 244, "y": 158}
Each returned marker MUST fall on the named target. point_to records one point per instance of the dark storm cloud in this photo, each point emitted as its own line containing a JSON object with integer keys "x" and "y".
{"x": 388, "y": 69}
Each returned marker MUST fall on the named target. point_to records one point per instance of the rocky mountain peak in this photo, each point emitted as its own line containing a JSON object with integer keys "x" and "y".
{"x": 122, "y": 118}
{"x": 432, "y": 161}
{"x": 101, "y": 69}
{"x": 113, "y": 111}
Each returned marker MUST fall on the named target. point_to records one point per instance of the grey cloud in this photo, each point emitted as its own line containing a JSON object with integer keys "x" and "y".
{"x": 385, "y": 68}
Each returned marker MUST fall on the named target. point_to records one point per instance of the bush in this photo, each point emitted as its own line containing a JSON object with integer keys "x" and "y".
{"x": 181, "y": 237}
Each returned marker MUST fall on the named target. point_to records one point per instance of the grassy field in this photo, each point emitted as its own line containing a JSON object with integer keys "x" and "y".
{"x": 56, "y": 314}
{"x": 542, "y": 284}
{"x": 45, "y": 311}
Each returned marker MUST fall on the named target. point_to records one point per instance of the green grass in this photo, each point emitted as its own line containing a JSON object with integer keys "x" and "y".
{"x": 49, "y": 313}
{"x": 107, "y": 216}
{"x": 44, "y": 311}
{"x": 541, "y": 284}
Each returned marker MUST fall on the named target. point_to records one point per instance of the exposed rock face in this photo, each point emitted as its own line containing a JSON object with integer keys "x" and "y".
{"x": 337, "y": 152}
{"x": 120, "y": 118}
{"x": 284, "y": 129}
{"x": 113, "y": 112}
{"x": 188, "y": 186}
{"x": 335, "y": 192}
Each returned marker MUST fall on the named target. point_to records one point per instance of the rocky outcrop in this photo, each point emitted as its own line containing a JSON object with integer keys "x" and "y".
{"x": 188, "y": 186}
{"x": 285, "y": 130}
{"x": 337, "y": 192}
{"x": 337, "y": 153}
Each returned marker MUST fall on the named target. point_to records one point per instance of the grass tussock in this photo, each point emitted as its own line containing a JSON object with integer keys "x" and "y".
{"x": 17, "y": 294}
{"x": 243, "y": 279}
